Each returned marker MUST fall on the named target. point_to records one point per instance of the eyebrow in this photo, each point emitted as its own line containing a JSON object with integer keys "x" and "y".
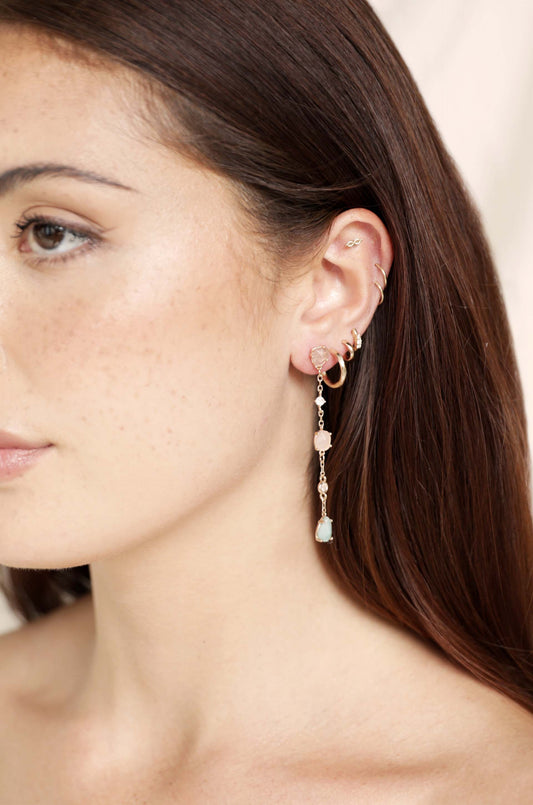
{"x": 11, "y": 179}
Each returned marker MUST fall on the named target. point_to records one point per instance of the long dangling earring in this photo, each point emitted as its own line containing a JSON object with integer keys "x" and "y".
{"x": 322, "y": 440}
{"x": 323, "y": 531}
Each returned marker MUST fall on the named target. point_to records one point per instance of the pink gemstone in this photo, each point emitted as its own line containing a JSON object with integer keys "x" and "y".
{"x": 319, "y": 356}
{"x": 322, "y": 440}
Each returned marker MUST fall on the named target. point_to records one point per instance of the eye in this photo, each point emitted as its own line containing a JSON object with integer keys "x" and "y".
{"x": 44, "y": 237}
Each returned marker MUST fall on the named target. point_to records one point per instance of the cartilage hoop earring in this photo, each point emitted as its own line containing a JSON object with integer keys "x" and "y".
{"x": 380, "y": 289}
{"x": 378, "y": 286}
{"x": 383, "y": 272}
{"x": 322, "y": 443}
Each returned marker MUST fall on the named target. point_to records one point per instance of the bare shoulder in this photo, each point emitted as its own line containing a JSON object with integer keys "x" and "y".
{"x": 474, "y": 747}
{"x": 502, "y": 768}
{"x": 514, "y": 754}
{"x": 486, "y": 739}
{"x": 501, "y": 771}
{"x": 441, "y": 732}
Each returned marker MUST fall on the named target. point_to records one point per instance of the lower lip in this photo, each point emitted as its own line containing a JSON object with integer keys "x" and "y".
{"x": 15, "y": 461}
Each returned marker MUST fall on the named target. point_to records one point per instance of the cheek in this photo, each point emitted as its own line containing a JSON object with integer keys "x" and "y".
{"x": 152, "y": 398}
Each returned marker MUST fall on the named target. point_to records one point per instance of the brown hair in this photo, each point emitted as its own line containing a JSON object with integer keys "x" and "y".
{"x": 311, "y": 110}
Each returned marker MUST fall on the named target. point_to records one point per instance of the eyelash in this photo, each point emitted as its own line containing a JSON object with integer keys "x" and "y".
{"x": 91, "y": 240}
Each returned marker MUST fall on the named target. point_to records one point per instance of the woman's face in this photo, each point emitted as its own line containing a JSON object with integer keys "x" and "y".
{"x": 140, "y": 340}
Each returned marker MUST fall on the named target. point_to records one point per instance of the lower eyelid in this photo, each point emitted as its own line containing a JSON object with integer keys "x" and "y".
{"x": 62, "y": 257}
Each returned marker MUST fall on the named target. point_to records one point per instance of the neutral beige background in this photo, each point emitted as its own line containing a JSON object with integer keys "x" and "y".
{"x": 473, "y": 62}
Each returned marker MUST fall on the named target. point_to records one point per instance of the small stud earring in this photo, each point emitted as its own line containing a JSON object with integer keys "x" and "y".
{"x": 355, "y": 242}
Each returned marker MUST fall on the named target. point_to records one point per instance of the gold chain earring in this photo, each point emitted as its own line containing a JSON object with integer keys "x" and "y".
{"x": 322, "y": 440}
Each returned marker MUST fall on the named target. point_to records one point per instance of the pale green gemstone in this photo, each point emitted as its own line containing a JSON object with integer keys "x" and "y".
{"x": 323, "y": 531}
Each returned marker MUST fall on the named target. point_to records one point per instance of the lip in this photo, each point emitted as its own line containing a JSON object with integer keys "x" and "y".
{"x": 15, "y": 461}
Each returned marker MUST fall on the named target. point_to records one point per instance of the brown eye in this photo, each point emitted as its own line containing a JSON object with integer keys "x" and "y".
{"x": 48, "y": 236}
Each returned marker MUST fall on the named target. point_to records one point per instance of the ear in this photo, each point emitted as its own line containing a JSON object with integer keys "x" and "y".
{"x": 338, "y": 293}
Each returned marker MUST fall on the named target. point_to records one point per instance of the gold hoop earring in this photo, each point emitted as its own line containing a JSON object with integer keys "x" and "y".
{"x": 342, "y": 377}
{"x": 384, "y": 275}
{"x": 352, "y": 348}
{"x": 357, "y": 340}
{"x": 351, "y": 351}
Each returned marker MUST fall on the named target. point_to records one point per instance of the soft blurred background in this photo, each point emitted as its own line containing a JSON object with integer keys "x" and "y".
{"x": 473, "y": 62}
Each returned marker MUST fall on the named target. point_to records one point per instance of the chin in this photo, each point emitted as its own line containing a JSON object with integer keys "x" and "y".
{"x": 34, "y": 558}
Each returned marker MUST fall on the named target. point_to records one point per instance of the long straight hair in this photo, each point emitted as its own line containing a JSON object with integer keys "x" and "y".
{"x": 309, "y": 108}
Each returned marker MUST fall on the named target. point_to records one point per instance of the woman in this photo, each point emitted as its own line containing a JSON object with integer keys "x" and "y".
{"x": 292, "y": 581}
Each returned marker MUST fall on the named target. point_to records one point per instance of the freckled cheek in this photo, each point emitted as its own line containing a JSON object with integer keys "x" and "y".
{"x": 144, "y": 360}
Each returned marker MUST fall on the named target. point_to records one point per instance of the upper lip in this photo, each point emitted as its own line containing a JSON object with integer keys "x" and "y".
{"x": 12, "y": 440}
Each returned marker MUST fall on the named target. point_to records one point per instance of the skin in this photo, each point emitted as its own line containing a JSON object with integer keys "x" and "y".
{"x": 175, "y": 384}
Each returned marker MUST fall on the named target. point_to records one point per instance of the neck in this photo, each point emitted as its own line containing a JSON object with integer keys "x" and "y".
{"x": 227, "y": 624}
